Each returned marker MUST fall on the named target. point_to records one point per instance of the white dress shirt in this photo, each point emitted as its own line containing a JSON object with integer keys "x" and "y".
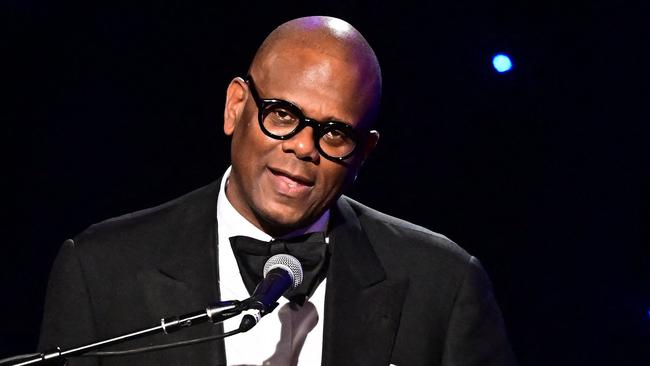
{"x": 259, "y": 343}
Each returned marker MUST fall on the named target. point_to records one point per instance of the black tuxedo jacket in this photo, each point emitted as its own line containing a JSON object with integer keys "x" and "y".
{"x": 396, "y": 293}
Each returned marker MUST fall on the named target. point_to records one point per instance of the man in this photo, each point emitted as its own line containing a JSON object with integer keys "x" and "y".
{"x": 383, "y": 291}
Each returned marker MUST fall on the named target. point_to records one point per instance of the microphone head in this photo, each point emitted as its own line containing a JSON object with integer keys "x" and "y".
{"x": 287, "y": 263}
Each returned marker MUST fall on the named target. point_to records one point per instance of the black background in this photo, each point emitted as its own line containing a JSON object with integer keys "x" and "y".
{"x": 542, "y": 173}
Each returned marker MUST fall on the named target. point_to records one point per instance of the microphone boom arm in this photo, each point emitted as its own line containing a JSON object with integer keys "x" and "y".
{"x": 216, "y": 313}
{"x": 281, "y": 272}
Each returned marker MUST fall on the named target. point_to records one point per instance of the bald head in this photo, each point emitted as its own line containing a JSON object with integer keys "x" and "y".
{"x": 311, "y": 45}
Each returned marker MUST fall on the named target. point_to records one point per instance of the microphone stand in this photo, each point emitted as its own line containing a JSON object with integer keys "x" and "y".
{"x": 215, "y": 313}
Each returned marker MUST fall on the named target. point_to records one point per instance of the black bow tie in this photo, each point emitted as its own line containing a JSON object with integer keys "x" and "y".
{"x": 309, "y": 249}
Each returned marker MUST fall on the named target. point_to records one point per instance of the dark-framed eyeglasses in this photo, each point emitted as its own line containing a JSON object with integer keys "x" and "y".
{"x": 282, "y": 120}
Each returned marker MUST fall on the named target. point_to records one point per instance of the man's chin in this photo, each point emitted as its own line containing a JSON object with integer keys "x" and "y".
{"x": 281, "y": 223}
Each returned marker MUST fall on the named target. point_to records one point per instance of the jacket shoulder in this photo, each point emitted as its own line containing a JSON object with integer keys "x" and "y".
{"x": 407, "y": 232}
{"x": 153, "y": 221}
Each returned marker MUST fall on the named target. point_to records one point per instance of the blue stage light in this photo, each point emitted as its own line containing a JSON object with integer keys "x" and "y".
{"x": 502, "y": 63}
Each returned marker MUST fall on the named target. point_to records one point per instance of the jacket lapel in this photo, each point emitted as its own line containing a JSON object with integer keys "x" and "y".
{"x": 362, "y": 305}
{"x": 187, "y": 267}
{"x": 185, "y": 278}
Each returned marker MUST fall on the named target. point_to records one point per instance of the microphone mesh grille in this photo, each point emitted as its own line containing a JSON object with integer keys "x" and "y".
{"x": 288, "y": 263}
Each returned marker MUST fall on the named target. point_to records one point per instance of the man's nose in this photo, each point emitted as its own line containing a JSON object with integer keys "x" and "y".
{"x": 302, "y": 145}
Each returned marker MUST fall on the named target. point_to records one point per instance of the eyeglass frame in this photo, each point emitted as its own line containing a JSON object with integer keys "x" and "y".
{"x": 319, "y": 128}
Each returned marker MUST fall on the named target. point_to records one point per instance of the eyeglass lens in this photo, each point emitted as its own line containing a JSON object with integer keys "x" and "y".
{"x": 333, "y": 140}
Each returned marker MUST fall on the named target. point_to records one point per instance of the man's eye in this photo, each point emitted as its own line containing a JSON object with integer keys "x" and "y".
{"x": 281, "y": 117}
{"x": 335, "y": 138}
{"x": 282, "y": 114}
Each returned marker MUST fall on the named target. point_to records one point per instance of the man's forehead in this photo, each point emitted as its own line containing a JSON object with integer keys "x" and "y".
{"x": 322, "y": 44}
{"x": 312, "y": 80}
{"x": 332, "y": 65}
{"x": 308, "y": 65}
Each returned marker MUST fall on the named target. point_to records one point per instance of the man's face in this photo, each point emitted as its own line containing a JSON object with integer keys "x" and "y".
{"x": 280, "y": 185}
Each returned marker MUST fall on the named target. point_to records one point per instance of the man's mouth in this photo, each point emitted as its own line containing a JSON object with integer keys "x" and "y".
{"x": 297, "y": 179}
{"x": 291, "y": 183}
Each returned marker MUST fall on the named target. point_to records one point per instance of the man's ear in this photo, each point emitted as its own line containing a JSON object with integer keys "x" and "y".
{"x": 236, "y": 96}
{"x": 370, "y": 143}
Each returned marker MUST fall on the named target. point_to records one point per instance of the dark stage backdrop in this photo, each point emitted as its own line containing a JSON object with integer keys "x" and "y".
{"x": 542, "y": 173}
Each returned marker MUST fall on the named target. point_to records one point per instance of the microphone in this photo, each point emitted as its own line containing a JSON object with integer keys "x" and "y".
{"x": 281, "y": 273}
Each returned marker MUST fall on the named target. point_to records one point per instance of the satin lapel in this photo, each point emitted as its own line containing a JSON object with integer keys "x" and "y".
{"x": 188, "y": 264}
{"x": 362, "y": 305}
{"x": 186, "y": 278}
